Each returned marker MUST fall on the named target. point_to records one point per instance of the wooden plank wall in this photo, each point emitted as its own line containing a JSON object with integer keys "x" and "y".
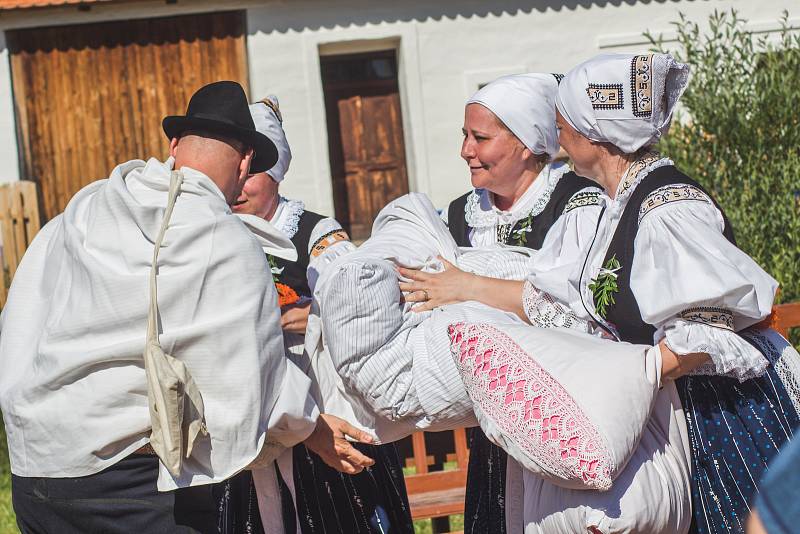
{"x": 91, "y": 96}
{"x": 19, "y": 223}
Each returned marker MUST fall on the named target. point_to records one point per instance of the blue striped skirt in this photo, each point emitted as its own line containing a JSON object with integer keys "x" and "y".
{"x": 484, "y": 502}
{"x": 373, "y": 501}
{"x": 328, "y": 502}
{"x": 735, "y": 430}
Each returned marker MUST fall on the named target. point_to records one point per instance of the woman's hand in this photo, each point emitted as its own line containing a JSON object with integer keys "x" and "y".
{"x": 294, "y": 318}
{"x": 329, "y": 442}
{"x": 674, "y": 366}
{"x": 432, "y": 290}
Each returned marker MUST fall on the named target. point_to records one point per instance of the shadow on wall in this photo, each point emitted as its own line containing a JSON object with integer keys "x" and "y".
{"x": 319, "y": 14}
{"x": 115, "y": 33}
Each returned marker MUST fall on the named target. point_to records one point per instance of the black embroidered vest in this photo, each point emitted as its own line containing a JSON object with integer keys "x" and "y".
{"x": 294, "y": 272}
{"x": 568, "y": 185}
{"x": 624, "y": 314}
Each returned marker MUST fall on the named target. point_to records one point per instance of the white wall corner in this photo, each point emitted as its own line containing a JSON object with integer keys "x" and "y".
{"x": 9, "y": 152}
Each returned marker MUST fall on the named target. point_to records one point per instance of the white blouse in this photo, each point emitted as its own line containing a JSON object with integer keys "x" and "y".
{"x": 689, "y": 281}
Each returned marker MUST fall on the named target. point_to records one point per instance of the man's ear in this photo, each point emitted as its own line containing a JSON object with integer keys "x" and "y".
{"x": 173, "y": 146}
{"x": 244, "y": 166}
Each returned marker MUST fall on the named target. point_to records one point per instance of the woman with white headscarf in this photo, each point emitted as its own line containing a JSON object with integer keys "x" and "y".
{"x": 520, "y": 196}
{"x": 663, "y": 267}
{"x": 324, "y": 498}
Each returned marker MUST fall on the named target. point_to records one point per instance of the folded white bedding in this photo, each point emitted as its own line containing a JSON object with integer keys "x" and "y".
{"x": 569, "y": 407}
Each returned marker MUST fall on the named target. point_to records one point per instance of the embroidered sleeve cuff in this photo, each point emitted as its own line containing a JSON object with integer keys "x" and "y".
{"x": 582, "y": 199}
{"x": 709, "y": 332}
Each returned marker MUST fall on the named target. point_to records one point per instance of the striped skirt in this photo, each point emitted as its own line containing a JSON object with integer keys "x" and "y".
{"x": 373, "y": 501}
{"x": 484, "y": 502}
{"x": 735, "y": 430}
{"x": 328, "y": 502}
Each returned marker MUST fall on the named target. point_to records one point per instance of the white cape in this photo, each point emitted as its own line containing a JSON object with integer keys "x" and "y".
{"x": 72, "y": 383}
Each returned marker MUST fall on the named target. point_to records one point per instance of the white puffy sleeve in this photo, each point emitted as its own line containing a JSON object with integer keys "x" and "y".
{"x": 696, "y": 287}
{"x": 566, "y": 243}
{"x": 546, "y": 290}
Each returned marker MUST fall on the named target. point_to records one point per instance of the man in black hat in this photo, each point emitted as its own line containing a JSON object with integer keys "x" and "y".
{"x": 79, "y": 409}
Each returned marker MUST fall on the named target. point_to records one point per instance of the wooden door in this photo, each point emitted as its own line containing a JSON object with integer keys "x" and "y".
{"x": 374, "y": 157}
{"x": 365, "y": 136}
{"x": 91, "y": 96}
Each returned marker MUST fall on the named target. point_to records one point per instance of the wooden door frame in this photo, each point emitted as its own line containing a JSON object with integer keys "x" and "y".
{"x": 332, "y": 92}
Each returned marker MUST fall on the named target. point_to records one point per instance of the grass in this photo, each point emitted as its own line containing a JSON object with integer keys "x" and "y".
{"x": 8, "y": 522}
{"x": 424, "y": 526}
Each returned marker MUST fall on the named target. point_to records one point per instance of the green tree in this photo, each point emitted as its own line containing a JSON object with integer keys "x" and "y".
{"x": 738, "y": 134}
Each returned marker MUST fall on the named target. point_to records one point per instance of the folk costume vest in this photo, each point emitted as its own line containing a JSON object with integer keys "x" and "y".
{"x": 624, "y": 315}
{"x": 293, "y": 274}
{"x": 484, "y": 509}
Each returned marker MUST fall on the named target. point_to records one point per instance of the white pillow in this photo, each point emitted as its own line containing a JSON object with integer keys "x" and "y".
{"x": 568, "y": 406}
{"x": 652, "y": 494}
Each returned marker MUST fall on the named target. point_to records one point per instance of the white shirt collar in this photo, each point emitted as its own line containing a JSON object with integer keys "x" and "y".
{"x": 287, "y": 216}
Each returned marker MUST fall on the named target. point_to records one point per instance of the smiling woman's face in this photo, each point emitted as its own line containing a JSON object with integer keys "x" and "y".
{"x": 259, "y": 196}
{"x": 496, "y": 158}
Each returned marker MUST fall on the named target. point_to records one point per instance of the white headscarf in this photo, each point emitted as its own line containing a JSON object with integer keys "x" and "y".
{"x": 268, "y": 120}
{"x": 525, "y": 103}
{"x": 623, "y": 99}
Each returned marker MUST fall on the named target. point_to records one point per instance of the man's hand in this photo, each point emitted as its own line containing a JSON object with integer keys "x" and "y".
{"x": 329, "y": 443}
{"x": 294, "y": 318}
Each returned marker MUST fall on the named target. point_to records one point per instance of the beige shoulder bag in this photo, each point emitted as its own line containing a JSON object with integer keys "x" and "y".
{"x": 176, "y": 407}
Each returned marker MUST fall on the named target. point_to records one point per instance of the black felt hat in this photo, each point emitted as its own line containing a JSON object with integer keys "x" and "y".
{"x": 221, "y": 107}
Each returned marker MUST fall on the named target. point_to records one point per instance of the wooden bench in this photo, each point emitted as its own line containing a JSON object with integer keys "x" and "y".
{"x": 19, "y": 223}
{"x": 435, "y": 492}
{"x": 788, "y": 316}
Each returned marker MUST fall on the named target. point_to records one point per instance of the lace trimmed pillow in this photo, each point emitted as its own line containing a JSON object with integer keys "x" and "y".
{"x": 568, "y": 406}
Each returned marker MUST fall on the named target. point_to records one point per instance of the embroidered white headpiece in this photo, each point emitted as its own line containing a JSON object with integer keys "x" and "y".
{"x": 267, "y": 118}
{"x": 623, "y": 99}
{"x": 525, "y": 103}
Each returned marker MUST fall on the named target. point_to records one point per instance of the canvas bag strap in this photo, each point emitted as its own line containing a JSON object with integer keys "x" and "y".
{"x": 176, "y": 179}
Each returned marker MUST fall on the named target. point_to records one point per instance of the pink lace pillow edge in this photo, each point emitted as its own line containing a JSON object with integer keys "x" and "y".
{"x": 529, "y": 405}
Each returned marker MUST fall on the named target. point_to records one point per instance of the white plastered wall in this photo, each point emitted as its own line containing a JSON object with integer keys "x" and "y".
{"x": 445, "y": 49}
{"x": 9, "y": 164}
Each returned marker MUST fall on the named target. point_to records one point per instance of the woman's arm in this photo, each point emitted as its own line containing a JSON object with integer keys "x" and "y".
{"x": 674, "y": 366}
{"x": 453, "y": 285}
{"x": 698, "y": 289}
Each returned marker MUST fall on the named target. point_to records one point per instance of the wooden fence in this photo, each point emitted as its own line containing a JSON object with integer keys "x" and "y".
{"x": 19, "y": 223}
